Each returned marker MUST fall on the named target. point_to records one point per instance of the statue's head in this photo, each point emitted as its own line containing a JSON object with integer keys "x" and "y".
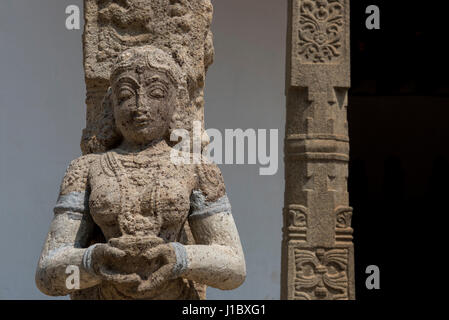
{"x": 147, "y": 89}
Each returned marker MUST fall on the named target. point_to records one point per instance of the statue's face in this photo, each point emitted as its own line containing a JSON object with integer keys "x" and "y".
{"x": 143, "y": 104}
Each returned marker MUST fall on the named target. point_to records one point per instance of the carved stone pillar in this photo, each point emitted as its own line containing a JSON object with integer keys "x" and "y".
{"x": 317, "y": 249}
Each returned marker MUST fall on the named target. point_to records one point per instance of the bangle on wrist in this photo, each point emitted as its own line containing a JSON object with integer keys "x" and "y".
{"x": 87, "y": 259}
{"x": 181, "y": 259}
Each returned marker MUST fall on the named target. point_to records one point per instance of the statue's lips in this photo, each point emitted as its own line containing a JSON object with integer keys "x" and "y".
{"x": 147, "y": 123}
{"x": 142, "y": 121}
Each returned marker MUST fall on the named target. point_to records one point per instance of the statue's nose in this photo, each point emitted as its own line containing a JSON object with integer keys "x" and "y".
{"x": 142, "y": 102}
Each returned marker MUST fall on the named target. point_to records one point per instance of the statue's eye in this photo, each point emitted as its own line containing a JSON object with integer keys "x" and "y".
{"x": 125, "y": 94}
{"x": 157, "y": 92}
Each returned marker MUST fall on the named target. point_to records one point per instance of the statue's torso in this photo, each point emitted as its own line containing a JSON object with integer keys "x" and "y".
{"x": 141, "y": 196}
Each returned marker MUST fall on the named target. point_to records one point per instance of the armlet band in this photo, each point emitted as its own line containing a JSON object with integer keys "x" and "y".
{"x": 72, "y": 202}
{"x": 201, "y": 208}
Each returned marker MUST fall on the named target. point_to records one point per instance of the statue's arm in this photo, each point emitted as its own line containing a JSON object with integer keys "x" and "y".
{"x": 70, "y": 231}
{"x": 217, "y": 259}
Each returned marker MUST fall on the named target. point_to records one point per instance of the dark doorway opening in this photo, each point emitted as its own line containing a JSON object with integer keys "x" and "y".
{"x": 399, "y": 128}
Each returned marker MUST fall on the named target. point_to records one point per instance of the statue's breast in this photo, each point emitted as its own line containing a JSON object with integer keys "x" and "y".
{"x": 105, "y": 197}
{"x": 165, "y": 203}
{"x": 157, "y": 197}
{"x": 170, "y": 200}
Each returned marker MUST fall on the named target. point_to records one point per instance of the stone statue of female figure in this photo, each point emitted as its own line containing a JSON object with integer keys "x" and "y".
{"x": 140, "y": 200}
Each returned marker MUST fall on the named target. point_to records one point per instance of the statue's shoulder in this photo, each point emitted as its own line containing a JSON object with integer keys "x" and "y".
{"x": 83, "y": 162}
{"x": 210, "y": 180}
{"x": 76, "y": 175}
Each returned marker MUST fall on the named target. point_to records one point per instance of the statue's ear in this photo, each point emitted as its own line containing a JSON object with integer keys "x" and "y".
{"x": 180, "y": 111}
{"x": 107, "y": 120}
{"x": 103, "y": 134}
{"x": 107, "y": 109}
{"x": 183, "y": 97}
{"x": 107, "y": 100}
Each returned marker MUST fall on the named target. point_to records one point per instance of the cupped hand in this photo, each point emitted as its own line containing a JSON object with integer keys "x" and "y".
{"x": 106, "y": 261}
{"x": 165, "y": 255}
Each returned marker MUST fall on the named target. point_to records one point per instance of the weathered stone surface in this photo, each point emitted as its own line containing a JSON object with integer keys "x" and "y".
{"x": 179, "y": 27}
{"x": 317, "y": 257}
{"x": 136, "y": 224}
